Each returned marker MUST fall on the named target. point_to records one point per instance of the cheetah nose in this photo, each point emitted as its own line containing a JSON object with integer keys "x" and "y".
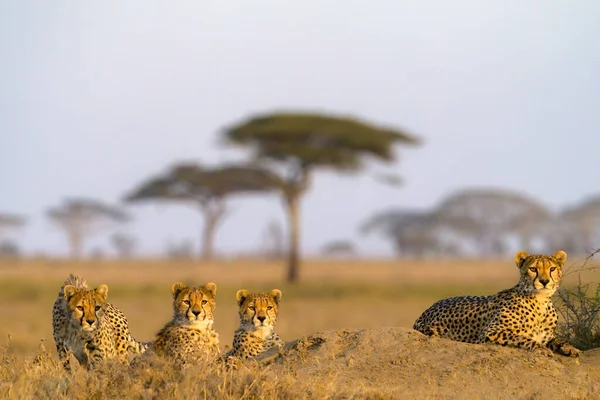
{"x": 544, "y": 282}
{"x": 196, "y": 313}
{"x": 90, "y": 321}
{"x": 261, "y": 318}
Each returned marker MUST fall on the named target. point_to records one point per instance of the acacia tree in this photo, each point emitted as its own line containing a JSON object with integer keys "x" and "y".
{"x": 10, "y": 221}
{"x": 273, "y": 241}
{"x": 577, "y": 228}
{"x": 413, "y": 233}
{"x": 81, "y": 218}
{"x": 124, "y": 244}
{"x": 339, "y": 248}
{"x": 206, "y": 189}
{"x": 295, "y": 145}
{"x": 493, "y": 214}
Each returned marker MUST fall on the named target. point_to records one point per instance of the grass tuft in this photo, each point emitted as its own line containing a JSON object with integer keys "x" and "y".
{"x": 579, "y": 309}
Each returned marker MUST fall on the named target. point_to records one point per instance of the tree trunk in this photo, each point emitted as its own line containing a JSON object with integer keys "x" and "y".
{"x": 213, "y": 211}
{"x": 208, "y": 237}
{"x": 293, "y": 208}
{"x": 75, "y": 244}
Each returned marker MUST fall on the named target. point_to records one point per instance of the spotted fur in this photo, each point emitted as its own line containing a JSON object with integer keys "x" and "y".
{"x": 89, "y": 327}
{"x": 258, "y": 316}
{"x": 522, "y": 316}
{"x": 190, "y": 334}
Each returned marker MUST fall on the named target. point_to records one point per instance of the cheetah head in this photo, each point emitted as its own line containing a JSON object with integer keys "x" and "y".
{"x": 194, "y": 305}
{"x": 86, "y": 306}
{"x": 541, "y": 274}
{"x": 258, "y": 311}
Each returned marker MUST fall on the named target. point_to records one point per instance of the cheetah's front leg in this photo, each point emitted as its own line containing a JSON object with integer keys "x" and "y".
{"x": 507, "y": 338}
{"x": 273, "y": 341}
{"x": 563, "y": 348}
{"x": 64, "y": 355}
{"x": 95, "y": 354}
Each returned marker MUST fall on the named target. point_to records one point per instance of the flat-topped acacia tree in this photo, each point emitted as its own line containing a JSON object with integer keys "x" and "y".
{"x": 296, "y": 144}
{"x": 207, "y": 189}
{"x": 10, "y": 221}
{"x": 81, "y": 218}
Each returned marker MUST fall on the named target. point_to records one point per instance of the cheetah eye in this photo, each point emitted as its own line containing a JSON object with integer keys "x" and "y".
{"x": 270, "y": 308}
{"x": 552, "y": 269}
{"x": 533, "y": 269}
{"x": 98, "y": 308}
{"x": 80, "y": 308}
{"x": 204, "y": 302}
{"x": 251, "y": 308}
{"x": 186, "y": 302}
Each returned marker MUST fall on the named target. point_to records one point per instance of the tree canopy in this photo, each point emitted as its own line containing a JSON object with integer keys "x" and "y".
{"x": 294, "y": 144}
{"x": 80, "y": 217}
{"x": 481, "y": 221}
{"x": 312, "y": 140}
{"x": 193, "y": 182}
{"x": 207, "y": 188}
{"x": 11, "y": 220}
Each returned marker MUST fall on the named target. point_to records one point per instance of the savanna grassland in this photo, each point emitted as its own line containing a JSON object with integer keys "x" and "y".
{"x": 360, "y": 313}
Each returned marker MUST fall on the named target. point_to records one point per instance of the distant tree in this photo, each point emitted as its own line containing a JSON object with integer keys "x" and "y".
{"x": 295, "y": 145}
{"x": 489, "y": 216}
{"x": 413, "y": 233}
{"x": 207, "y": 189}
{"x": 97, "y": 253}
{"x": 182, "y": 250}
{"x": 273, "y": 240}
{"x": 480, "y": 220}
{"x": 576, "y": 229}
{"x": 123, "y": 244}
{"x": 9, "y": 249}
{"x": 339, "y": 248}
{"x": 81, "y": 218}
{"x": 9, "y": 222}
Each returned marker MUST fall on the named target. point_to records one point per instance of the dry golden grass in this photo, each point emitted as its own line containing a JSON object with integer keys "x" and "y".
{"x": 378, "y": 293}
{"x": 331, "y": 295}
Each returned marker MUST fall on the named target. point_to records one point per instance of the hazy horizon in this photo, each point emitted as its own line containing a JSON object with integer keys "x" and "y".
{"x": 97, "y": 97}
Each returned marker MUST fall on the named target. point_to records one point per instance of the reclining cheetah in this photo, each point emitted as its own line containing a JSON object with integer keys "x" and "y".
{"x": 190, "y": 334}
{"x": 522, "y": 316}
{"x": 85, "y": 324}
{"x": 258, "y": 315}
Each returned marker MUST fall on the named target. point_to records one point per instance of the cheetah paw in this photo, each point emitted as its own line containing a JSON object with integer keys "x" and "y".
{"x": 546, "y": 352}
{"x": 569, "y": 351}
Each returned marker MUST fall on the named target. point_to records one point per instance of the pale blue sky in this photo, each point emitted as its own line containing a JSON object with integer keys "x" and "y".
{"x": 98, "y": 95}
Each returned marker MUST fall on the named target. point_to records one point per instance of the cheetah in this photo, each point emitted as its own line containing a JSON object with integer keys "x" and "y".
{"x": 190, "y": 334}
{"x": 522, "y": 316}
{"x": 258, "y": 315}
{"x": 85, "y": 324}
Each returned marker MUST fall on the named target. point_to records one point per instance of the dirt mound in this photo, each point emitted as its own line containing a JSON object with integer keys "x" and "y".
{"x": 403, "y": 363}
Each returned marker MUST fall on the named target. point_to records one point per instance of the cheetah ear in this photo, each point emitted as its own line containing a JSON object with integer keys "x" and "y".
{"x": 177, "y": 287}
{"x": 560, "y": 256}
{"x": 212, "y": 288}
{"x": 241, "y": 295}
{"x": 102, "y": 290}
{"x": 276, "y": 295}
{"x": 69, "y": 291}
{"x": 520, "y": 257}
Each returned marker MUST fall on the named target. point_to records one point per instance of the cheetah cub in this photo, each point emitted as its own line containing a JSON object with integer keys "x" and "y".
{"x": 522, "y": 316}
{"x": 258, "y": 315}
{"x": 189, "y": 336}
{"x": 84, "y": 323}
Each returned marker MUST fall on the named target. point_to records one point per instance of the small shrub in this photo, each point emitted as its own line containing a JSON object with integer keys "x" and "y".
{"x": 579, "y": 308}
